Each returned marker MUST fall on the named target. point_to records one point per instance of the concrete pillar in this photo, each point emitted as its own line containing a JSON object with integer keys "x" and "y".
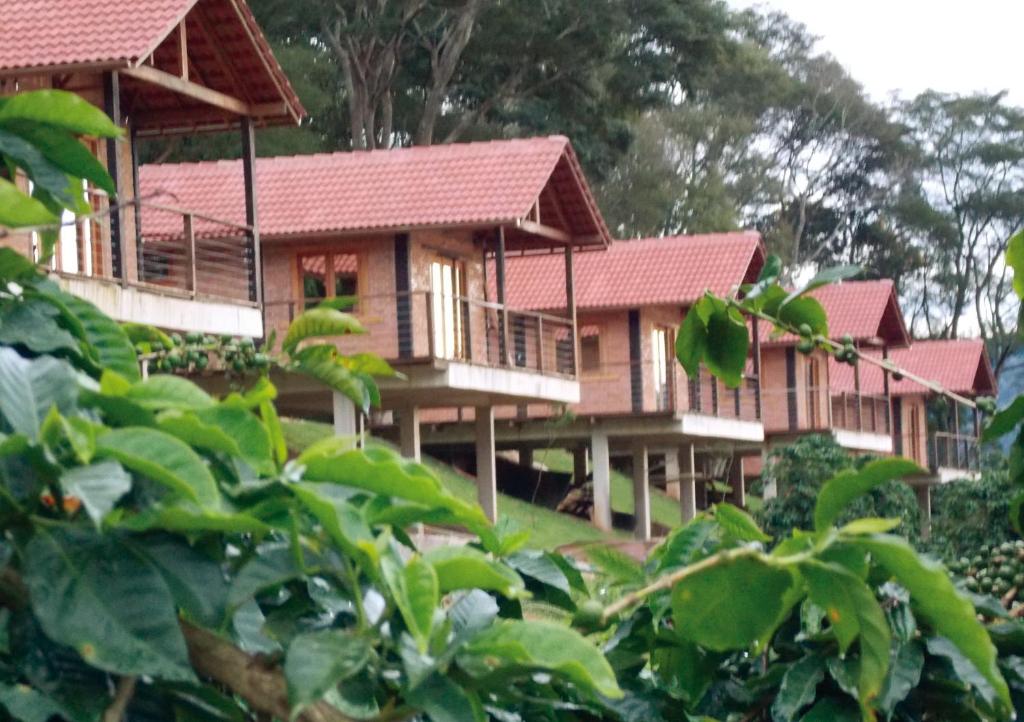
{"x": 579, "y": 465}
{"x": 737, "y": 481}
{"x": 770, "y": 486}
{"x": 345, "y": 423}
{"x": 641, "y": 493}
{"x": 409, "y": 432}
{"x": 672, "y": 476}
{"x": 924, "y": 502}
{"x": 526, "y": 456}
{"x": 602, "y": 481}
{"x": 688, "y": 486}
{"x": 486, "y": 468}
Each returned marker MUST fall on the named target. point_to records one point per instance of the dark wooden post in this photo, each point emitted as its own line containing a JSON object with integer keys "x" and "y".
{"x": 112, "y": 105}
{"x": 756, "y": 332}
{"x": 137, "y": 207}
{"x": 190, "y": 254}
{"x": 570, "y": 307}
{"x": 887, "y": 390}
{"x": 636, "y": 372}
{"x": 251, "y": 217}
{"x": 403, "y": 299}
{"x": 856, "y": 390}
{"x": 499, "y": 279}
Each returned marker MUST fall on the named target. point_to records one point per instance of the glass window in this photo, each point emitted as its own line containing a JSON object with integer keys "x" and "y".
{"x": 328, "y": 275}
{"x": 590, "y": 353}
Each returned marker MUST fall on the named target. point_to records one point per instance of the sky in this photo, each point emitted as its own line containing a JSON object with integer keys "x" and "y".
{"x": 911, "y": 45}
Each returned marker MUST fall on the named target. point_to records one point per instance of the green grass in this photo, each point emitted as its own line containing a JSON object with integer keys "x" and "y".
{"x": 664, "y": 509}
{"x": 548, "y": 529}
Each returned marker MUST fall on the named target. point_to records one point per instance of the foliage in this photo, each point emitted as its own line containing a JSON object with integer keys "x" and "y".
{"x": 968, "y": 515}
{"x": 796, "y": 471}
{"x": 995, "y": 570}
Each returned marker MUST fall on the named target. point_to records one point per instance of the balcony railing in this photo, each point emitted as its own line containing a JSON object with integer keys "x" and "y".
{"x": 860, "y": 412}
{"x": 819, "y": 408}
{"x": 953, "y": 451}
{"x": 181, "y": 253}
{"x": 433, "y": 326}
{"x": 707, "y": 395}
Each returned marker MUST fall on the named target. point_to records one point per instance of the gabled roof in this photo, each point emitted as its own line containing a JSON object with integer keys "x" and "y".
{"x": 226, "y": 48}
{"x": 458, "y": 185}
{"x": 653, "y": 271}
{"x": 958, "y": 365}
{"x": 866, "y": 310}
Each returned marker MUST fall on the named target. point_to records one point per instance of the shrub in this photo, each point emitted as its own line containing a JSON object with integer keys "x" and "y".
{"x": 968, "y": 515}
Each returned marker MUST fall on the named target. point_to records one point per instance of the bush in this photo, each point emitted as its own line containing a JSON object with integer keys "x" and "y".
{"x": 968, "y": 515}
{"x": 799, "y": 471}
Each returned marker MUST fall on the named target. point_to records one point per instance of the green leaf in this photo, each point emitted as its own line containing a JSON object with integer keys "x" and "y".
{"x": 273, "y": 565}
{"x": 45, "y": 175}
{"x": 854, "y": 613}
{"x": 461, "y": 567}
{"x": 32, "y": 323}
{"x": 247, "y": 430}
{"x": 832, "y": 709}
{"x": 540, "y": 645}
{"x": 712, "y": 607}
{"x": 198, "y": 434}
{"x": 937, "y": 601}
{"x": 1006, "y": 420}
{"x": 113, "y": 607}
{"x": 771, "y": 270}
{"x": 964, "y": 668}
{"x": 445, "y": 701}
{"x": 164, "y": 459}
{"x": 804, "y": 310}
{"x": 18, "y": 210}
{"x": 196, "y": 582}
{"x": 541, "y": 567}
{"x": 317, "y": 662}
{"x": 186, "y": 518}
{"x": 828, "y": 276}
{"x": 109, "y": 342}
{"x": 727, "y": 346}
{"x": 28, "y": 705}
{"x": 692, "y": 343}
{"x": 99, "y": 486}
{"x": 1015, "y": 260}
{"x": 683, "y": 546}
{"x": 274, "y": 430}
{"x": 317, "y": 323}
{"x": 738, "y": 525}
{"x": 163, "y": 391}
{"x": 614, "y": 564}
{"x": 846, "y": 486}
{"x": 870, "y": 525}
{"x": 30, "y": 388}
{"x": 798, "y": 688}
{"x": 66, "y": 152}
{"x": 904, "y": 675}
{"x": 416, "y": 592}
{"x": 323, "y": 363}
{"x": 340, "y": 519}
{"x": 59, "y": 109}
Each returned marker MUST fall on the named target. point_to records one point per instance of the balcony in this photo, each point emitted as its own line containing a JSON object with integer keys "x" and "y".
{"x": 857, "y": 421}
{"x": 954, "y": 456}
{"x": 183, "y": 270}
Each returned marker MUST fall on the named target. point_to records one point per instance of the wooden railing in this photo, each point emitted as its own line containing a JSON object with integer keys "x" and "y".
{"x": 953, "y": 451}
{"x": 860, "y": 412}
{"x": 820, "y": 408}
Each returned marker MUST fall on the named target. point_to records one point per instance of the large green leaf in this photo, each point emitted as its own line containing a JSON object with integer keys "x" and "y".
{"x": 1005, "y": 420}
{"x": 445, "y": 701}
{"x": 692, "y": 343}
{"x": 825, "y": 277}
{"x": 854, "y": 613}
{"x": 461, "y": 567}
{"x": 66, "y": 152}
{"x": 113, "y": 607}
{"x": 108, "y": 341}
{"x": 318, "y": 661}
{"x": 99, "y": 486}
{"x": 196, "y": 581}
{"x": 339, "y": 519}
{"x": 938, "y": 602}
{"x": 326, "y": 365}
{"x": 247, "y": 430}
{"x": 738, "y": 525}
{"x": 45, "y": 175}
{"x": 186, "y": 518}
{"x": 799, "y": 688}
{"x": 59, "y": 109}
{"x": 32, "y": 323}
{"x": 162, "y": 458}
{"x": 317, "y": 323}
{"x": 1015, "y": 260}
{"x": 415, "y": 590}
{"x": 540, "y": 645}
{"x": 832, "y": 709}
{"x": 164, "y": 391}
{"x": 18, "y": 210}
{"x": 30, "y": 388}
{"x": 198, "y": 434}
{"x": 904, "y": 675}
{"x": 28, "y": 705}
{"x": 846, "y": 486}
{"x": 805, "y": 310}
{"x": 727, "y": 346}
{"x": 686, "y": 544}
{"x": 712, "y": 607}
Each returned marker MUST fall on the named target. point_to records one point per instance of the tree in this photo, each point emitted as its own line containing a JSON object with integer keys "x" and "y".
{"x": 965, "y": 198}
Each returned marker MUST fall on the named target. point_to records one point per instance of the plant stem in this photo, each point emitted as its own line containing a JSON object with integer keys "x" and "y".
{"x": 122, "y": 697}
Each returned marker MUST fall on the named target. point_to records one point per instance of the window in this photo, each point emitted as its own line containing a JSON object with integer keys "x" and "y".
{"x": 447, "y": 281}
{"x": 590, "y": 353}
{"x": 328, "y": 275}
{"x": 661, "y": 364}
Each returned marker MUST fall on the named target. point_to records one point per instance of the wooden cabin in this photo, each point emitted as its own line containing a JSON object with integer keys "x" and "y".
{"x": 159, "y": 69}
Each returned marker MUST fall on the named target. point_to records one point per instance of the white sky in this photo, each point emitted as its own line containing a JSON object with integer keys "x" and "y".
{"x": 911, "y": 45}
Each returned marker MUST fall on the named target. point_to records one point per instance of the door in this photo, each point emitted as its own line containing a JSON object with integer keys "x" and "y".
{"x": 661, "y": 367}
{"x": 814, "y": 392}
{"x": 447, "y": 282}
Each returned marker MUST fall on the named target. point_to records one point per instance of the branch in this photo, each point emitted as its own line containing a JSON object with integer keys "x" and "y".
{"x": 122, "y": 697}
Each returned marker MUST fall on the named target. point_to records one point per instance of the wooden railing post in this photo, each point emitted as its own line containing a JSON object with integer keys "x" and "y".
{"x": 540, "y": 345}
{"x": 429, "y": 301}
{"x": 190, "y": 253}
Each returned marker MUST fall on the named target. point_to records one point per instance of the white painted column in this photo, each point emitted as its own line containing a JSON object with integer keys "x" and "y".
{"x": 688, "y": 486}
{"x": 641, "y": 493}
{"x": 737, "y": 481}
{"x": 602, "y": 481}
{"x": 345, "y": 423}
{"x": 579, "y": 465}
{"x": 486, "y": 466}
{"x": 672, "y": 476}
{"x": 771, "y": 489}
{"x": 409, "y": 432}
{"x": 924, "y": 501}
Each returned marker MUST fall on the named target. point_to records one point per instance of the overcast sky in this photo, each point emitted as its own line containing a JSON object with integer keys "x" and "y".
{"x": 910, "y": 45}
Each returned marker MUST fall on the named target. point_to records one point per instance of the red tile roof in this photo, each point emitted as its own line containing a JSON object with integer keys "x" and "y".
{"x": 651, "y": 271}
{"x": 461, "y": 184}
{"x": 958, "y": 365}
{"x": 866, "y": 310}
{"x": 38, "y": 35}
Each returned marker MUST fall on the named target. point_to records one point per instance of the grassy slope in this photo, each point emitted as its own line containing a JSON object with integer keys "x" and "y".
{"x": 664, "y": 509}
{"x": 549, "y": 529}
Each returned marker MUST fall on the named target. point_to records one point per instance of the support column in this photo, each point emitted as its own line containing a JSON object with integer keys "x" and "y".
{"x": 771, "y": 488}
{"x": 924, "y": 502}
{"x": 688, "y": 486}
{"x": 579, "y": 465}
{"x": 409, "y": 432}
{"x": 672, "y": 477}
{"x": 251, "y": 217}
{"x": 486, "y": 468}
{"x": 570, "y": 308}
{"x": 641, "y": 493}
{"x": 345, "y": 423}
{"x": 499, "y": 280}
{"x": 112, "y": 106}
{"x": 602, "y": 481}
{"x": 526, "y": 456}
{"x": 737, "y": 481}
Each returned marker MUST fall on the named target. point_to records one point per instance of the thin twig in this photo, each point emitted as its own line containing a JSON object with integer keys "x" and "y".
{"x": 122, "y": 697}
